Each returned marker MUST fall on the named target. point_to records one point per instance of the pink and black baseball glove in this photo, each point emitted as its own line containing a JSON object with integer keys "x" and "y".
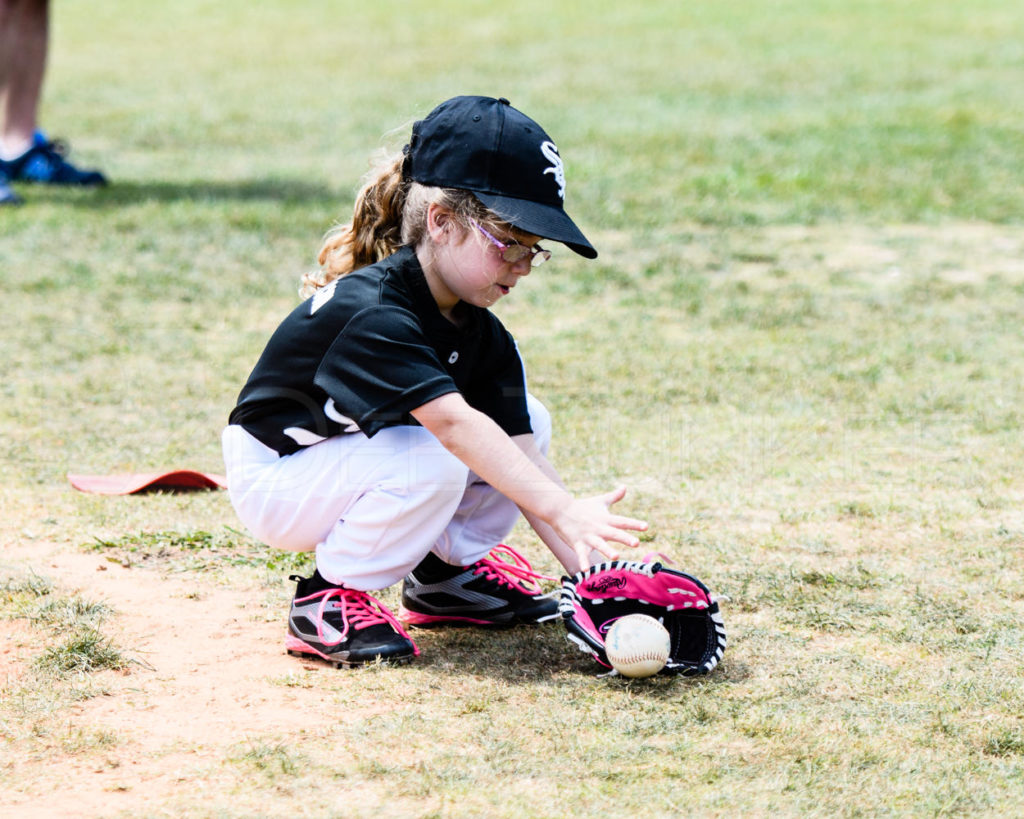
{"x": 592, "y": 600}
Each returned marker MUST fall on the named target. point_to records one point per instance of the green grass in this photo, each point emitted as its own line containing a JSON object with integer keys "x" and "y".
{"x": 71, "y": 622}
{"x": 86, "y": 651}
{"x": 21, "y": 595}
{"x": 199, "y": 551}
{"x": 800, "y": 349}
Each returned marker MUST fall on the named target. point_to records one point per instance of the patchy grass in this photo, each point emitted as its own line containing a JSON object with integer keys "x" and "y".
{"x": 84, "y": 652}
{"x": 64, "y": 649}
{"x": 198, "y": 551}
{"x": 269, "y": 759}
{"x": 799, "y": 348}
{"x": 21, "y": 595}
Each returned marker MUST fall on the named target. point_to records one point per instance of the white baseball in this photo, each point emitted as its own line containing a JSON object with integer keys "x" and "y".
{"x": 637, "y": 645}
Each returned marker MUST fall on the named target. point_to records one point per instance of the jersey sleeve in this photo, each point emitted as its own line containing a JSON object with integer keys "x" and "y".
{"x": 380, "y": 367}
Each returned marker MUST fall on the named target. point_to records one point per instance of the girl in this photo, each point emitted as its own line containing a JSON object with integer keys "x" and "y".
{"x": 387, "y": 423}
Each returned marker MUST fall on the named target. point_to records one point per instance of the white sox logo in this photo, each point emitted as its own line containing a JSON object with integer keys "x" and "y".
{"x": 550, "y": 151}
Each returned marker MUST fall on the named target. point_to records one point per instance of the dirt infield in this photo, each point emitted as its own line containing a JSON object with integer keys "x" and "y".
{"x": 199, "y": 686}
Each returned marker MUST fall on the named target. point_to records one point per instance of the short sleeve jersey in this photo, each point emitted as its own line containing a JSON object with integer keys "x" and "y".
{"x": 364, "y": 351}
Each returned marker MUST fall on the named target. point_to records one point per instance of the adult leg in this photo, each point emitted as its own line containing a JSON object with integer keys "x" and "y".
{"x": 25, "y": 152}
{"x": 24, "y": 27}
{"x": 24, "y": 37}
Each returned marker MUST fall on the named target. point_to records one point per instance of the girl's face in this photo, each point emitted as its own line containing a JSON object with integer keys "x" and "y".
{"x": 463, "y": 265}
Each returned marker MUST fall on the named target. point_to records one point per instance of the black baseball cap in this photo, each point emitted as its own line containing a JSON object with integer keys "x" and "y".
{"x": 484, "y": 145}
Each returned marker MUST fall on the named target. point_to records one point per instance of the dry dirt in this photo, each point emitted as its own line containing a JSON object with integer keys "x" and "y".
{"x": 204, "y": 684}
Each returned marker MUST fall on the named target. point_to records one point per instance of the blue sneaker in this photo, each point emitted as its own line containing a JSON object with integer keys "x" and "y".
{"x": 44, "y": 162}
{"x": 7, "y": 196}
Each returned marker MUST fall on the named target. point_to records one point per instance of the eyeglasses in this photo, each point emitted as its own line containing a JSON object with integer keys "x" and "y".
{"x": 513, "y": 252}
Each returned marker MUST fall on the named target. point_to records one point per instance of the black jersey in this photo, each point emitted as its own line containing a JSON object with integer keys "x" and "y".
{"x": 368, "y": 348}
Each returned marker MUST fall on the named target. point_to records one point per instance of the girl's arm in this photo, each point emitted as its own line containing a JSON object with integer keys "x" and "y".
{"x": 559, "y": 548}
{"x": 582, "y": 524}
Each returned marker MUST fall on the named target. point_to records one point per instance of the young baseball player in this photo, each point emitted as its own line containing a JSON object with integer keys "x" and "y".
{"x": 387, "y": 424}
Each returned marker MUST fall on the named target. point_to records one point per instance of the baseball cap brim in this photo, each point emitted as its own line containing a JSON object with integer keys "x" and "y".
{"x": 541, "y": 220}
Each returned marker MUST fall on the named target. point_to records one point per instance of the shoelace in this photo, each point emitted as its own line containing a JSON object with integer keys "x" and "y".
{"x": 56, "y": 146}
{"x": 507, "y": 572}
{"x": 358, "y": 610}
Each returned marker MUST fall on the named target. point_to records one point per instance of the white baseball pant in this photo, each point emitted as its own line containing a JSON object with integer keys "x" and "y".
{"x": 371, "y": 507}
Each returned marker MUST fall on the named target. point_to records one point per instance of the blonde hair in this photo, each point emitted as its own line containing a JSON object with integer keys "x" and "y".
{"x": 390, "y": 211}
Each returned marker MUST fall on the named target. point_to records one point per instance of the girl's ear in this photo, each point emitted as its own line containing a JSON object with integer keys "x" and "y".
{"x": 440, "y": 223}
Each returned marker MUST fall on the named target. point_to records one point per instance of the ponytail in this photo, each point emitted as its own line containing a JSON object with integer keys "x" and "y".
{"x": 389, "y": 212}
{"x": 374, "y": 232}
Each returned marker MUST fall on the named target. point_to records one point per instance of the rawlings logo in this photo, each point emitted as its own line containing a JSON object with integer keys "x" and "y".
{"x": 550, "y": 151}
{"x": 605, "y": 584}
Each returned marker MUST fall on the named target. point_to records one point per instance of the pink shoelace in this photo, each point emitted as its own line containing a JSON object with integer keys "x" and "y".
{"x": 515, "y": 572}
{"x": 359, "y": 611}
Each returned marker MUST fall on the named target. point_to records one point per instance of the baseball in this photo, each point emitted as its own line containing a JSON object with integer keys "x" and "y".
{"x": 637, "y": 646}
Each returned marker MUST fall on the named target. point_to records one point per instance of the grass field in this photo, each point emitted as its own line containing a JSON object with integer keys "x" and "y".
{"x": 799, "y": 348}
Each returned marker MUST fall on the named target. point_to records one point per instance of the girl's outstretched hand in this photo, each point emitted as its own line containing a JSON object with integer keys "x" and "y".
{"x": 588, "y": 525}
